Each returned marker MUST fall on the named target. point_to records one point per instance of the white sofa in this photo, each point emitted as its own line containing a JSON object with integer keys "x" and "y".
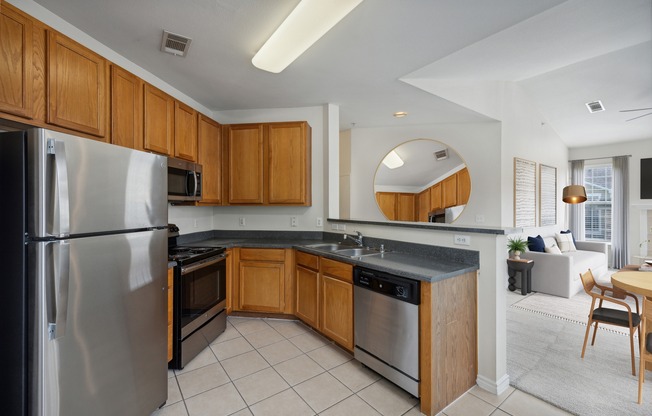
{"x": 559, "y": 274}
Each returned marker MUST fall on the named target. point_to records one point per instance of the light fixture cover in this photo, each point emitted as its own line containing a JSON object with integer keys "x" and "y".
{"x": 574, "y": 194}
{"x": 393, "y": 160}
{"x": 308, "y": 22}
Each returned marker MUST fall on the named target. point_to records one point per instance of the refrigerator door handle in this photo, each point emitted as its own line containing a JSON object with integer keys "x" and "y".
{"x": 58, "y": 310}
{"x": 57, "y": 148}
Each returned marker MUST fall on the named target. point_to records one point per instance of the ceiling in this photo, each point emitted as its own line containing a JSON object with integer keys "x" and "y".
{"x": 389, "y": 56}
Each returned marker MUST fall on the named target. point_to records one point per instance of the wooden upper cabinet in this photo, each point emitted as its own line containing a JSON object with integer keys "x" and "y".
{"x": 449, "y": 191}
{"x": 16, "y": 50}
{"x": 436, "y": 200}
{"x": 405, "y": 207}
{"x": 126, "y": 109}
{"x": 77, "y": 86}
{"x": 387, "y": 204}
{"x": 209, "y": 155}
{"x": 245, "y": 163}
{"x": 289, "y": 161}
{"x": 185, "y": 132}
{"x": 463, "y": 186}
{"x": 158, "y": 121}
{"x": 423, "y": 205}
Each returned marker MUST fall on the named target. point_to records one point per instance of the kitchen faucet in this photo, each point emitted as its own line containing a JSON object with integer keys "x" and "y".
{"x": 357, "y": 240}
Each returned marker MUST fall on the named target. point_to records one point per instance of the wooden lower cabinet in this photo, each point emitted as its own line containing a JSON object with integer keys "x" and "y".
{"x": 307, "y": 282}
{"x": 170, "y": 305}
{"x": 263, "y": 282}
{"x": 336, "y": 301}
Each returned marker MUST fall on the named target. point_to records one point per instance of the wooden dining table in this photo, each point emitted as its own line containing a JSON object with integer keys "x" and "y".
{"x": 635, "y": 282}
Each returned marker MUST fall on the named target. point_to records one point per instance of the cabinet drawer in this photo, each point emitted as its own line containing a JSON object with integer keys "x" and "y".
{"x": 308, "y": 260}
{"x": 342, "y": 271}
{"x": 262, "y": 254}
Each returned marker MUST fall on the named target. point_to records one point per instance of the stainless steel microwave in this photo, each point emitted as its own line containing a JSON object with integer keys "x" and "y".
{"x": 184, "y": 180}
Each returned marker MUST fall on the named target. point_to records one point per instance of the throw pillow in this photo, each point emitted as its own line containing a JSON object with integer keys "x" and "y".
{"x": 568, "y": 232}
{"x": 553, "y": 250}
{"x": 565, "y": 242}
{"x": 536, "y": 244}
{"x": 549, "y": 241}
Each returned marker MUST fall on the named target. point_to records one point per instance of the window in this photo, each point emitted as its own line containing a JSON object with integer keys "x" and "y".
{"x": 597, "y": 209}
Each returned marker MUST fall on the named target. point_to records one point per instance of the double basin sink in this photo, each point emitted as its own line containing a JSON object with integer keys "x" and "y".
{"x": 345, "y": 250}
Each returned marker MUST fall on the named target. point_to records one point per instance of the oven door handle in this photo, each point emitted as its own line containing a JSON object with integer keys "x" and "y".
{"x": 204, "y": 263}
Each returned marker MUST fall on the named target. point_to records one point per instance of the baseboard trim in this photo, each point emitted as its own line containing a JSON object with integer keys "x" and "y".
{"x": 493, "y": 387}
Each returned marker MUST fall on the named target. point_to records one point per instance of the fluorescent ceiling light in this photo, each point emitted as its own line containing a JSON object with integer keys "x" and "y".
{"x": 308, "y": 22}
{"x": 393, "y": 160}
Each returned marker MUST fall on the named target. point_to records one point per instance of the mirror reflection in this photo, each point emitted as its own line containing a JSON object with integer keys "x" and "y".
{"x": 422, "y": 180}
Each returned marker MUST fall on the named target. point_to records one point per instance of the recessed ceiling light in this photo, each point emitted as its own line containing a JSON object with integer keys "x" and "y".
{"x": 400, "y": 114}
{"x": 393, "y": 160}
{"x": 595, "y": 106}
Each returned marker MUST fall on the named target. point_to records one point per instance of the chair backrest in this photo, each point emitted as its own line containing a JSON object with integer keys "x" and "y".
{"x": 588, "y": 281}
{"x": 647, "y": 312}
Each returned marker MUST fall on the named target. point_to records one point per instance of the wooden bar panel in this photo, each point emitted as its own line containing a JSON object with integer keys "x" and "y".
{"x": 262, "y": 254}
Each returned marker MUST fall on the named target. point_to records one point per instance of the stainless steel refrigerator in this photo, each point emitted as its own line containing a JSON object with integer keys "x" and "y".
{"x": 83, "y": 300}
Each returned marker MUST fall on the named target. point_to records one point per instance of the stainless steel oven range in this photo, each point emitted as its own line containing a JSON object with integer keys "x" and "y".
{"x": 199, "y": 298}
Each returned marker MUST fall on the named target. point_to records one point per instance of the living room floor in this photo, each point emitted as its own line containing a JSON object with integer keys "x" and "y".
{"x": 279, "y": 367}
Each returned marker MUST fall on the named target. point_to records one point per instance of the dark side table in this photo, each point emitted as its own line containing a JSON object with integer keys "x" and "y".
{"x": 524, "y": 267}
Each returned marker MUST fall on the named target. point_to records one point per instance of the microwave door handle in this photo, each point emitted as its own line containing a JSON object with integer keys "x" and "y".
{"x": 194, "y": 189}
{"x": 57, "y": 149}
{"x": 58, "y": 289}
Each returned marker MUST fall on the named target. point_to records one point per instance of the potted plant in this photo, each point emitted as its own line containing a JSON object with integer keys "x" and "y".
{"x": 516, "y": 246}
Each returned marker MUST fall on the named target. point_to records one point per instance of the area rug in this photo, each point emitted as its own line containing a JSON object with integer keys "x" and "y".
{"x": 575, "y": 309}
{"x": 543, "y": 359}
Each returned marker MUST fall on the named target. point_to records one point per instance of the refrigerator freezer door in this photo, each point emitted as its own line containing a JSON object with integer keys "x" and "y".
{"x": 111, "y": 360}
{"x": 81, "y": 186}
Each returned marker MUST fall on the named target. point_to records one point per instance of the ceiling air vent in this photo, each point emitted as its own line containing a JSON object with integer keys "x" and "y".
{"x": 175, "y": 44}
{"x": 441, "y": 154}
{"x": 595, "y": 106}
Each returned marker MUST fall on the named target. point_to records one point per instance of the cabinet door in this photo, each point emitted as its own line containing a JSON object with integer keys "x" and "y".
{"x": 262, "y": 286}
{"x": 449, "y": 191}
{"x": 307, "y": 296}
{"x": 16, "y": 63}
{"x": 435, "y": 197}
{"x": 77, "y": 86}
{"x": 159, "y": 121}
{"x": 423, "y": 205}
{"x": 209, "y": 155}
{"x": 288, "y": 173}
{"x": 387, "y": 204}
{"x": 405, "y": 207}
{"x": 126, "y": 109}
{"x": 245, "y": 163}
{"x": 463, "y": 186}
{"x": 337, "y": 310}
{"x": 170, "y": 308}
{"x": 185, "y": 132}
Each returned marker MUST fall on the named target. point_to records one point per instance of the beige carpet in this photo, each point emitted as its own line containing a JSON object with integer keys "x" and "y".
{"x": 575, "y": 309}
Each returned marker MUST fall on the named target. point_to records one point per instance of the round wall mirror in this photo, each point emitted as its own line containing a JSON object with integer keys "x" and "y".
{"x": 422, "y": 180}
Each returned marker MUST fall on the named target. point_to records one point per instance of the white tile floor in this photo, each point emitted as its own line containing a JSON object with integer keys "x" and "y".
{"x": 278, "y": 367}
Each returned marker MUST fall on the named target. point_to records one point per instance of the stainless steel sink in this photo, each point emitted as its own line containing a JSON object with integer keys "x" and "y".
{"x": 356, "y": 252}
{"x": 328, "y": 247}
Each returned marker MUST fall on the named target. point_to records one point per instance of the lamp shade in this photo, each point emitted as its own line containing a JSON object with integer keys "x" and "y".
{"x": 574, "y": 194}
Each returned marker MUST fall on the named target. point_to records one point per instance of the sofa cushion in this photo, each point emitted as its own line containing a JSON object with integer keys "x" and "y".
{"x": 565, "y": 242}
{"x": 536, "y": 244}
{"x": 553, "y": 250}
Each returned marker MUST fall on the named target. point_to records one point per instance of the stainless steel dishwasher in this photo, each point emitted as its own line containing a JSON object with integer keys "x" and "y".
{"x": 386, "y": 317}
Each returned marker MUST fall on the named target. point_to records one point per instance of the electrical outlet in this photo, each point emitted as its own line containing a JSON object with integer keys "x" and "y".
{"x": 463, "y": 240}
{"x": 194, "y": 224}
{"x": 342, "y": 227}
{"x": 334, "y": 227}
{"x": 242, "y": 221}
{"x": 294, "y": 222}
{"x": 479, "y": 218}
{"x": 320, "y": 222}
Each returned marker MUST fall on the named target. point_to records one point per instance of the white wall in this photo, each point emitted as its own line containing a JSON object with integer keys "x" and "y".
{"x": 478, "y": 144}
{"x": 640, "y": 149}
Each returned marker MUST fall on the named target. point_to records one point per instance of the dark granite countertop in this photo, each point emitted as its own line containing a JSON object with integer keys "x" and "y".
{"x": 412, "y": 262}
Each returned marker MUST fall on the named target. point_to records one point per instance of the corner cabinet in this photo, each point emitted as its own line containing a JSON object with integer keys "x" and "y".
{"x": 209, "y": 156}
{"x": 16, "y": 46}
{"x": 77, "y": 87}
{"x": 269, "y": 164}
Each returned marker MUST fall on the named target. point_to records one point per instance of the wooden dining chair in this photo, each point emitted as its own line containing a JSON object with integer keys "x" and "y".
{"x": 600, "y": 315}
{"x": 646, "y": 345}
